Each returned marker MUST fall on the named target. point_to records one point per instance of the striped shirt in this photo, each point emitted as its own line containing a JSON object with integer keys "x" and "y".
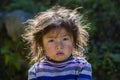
{"x": 72, "y": 69}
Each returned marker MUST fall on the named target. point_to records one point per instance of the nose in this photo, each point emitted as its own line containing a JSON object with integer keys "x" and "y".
{"x": 59, "y": 45}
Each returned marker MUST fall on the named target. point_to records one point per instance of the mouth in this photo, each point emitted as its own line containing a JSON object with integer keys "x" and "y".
{"x": 60, "y": 53}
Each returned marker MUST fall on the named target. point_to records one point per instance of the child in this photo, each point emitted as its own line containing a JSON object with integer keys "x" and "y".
{"x": 55, "y": 37}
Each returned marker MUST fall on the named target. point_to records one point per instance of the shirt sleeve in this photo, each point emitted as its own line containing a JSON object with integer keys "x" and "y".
{"x": 85, "y": 71}
{"x": 32, "y": 73}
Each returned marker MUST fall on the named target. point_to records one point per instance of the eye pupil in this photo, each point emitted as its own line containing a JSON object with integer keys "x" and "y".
{"x": 51, "y": 40}
{"x": 65, "y": 39}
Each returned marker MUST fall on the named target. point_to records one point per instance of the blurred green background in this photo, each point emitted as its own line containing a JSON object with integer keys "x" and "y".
{"x": 103, "y": 18}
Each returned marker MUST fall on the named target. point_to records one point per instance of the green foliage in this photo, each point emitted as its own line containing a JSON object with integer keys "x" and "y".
{"x": 104, "y": 45}
{"x": 105, "y": 60}
{"x": 10, "y": 58}
{"x": 13, "y": 60}
{"x": 27, "y": 5}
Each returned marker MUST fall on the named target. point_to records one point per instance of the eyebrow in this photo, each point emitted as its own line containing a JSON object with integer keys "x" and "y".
{"x": 55, "y": 36}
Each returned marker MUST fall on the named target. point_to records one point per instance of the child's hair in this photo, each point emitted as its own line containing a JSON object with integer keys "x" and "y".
{"x": 56, "y": 17}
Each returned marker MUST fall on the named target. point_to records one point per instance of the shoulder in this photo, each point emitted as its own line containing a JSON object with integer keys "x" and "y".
{"x": 82, "y": 61}
{"x": 36, "y": 66}
{"x": 84, "y": 70}
{"x": 33, "y": 68}
{"x": 32, "y": 71}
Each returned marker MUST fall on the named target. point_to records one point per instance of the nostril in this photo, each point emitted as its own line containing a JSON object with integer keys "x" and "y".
{"x": 59, "y": 45}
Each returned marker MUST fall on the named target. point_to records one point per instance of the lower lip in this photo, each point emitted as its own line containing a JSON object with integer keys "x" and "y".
{"x": 60, "y": 53}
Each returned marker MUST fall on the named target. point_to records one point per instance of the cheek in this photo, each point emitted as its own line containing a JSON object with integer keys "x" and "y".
{"x": 69, "y": 46}
{"x": 49, "y": 48}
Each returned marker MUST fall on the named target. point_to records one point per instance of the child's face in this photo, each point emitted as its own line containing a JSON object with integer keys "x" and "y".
{"x": 58, "y": 44}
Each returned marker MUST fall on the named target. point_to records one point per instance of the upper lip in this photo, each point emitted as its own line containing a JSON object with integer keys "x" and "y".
{"x": 59, "y": 52}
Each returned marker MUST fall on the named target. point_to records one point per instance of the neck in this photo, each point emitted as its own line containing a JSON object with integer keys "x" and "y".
{"x": 49, "y": 59}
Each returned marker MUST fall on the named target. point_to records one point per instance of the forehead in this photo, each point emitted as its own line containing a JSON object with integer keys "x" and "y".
{"x": 57, "y": 32}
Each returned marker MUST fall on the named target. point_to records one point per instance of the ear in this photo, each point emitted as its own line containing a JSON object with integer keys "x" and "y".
{"x": 74, "y": 45}
{"x": 42, "y": 47}
{"x": 73, "y": 42}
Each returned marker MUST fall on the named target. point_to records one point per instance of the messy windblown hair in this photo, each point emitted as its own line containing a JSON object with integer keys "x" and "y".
{"x": 56, "y": 17}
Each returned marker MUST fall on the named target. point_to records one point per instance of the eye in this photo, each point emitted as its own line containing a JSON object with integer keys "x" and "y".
{"x": 51, "y": 40}
{"x": 65, "y": 38}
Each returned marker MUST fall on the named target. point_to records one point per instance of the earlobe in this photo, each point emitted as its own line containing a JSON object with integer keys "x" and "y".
{"x": 43, "y": 49}
{"x": 73, "y": 44}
